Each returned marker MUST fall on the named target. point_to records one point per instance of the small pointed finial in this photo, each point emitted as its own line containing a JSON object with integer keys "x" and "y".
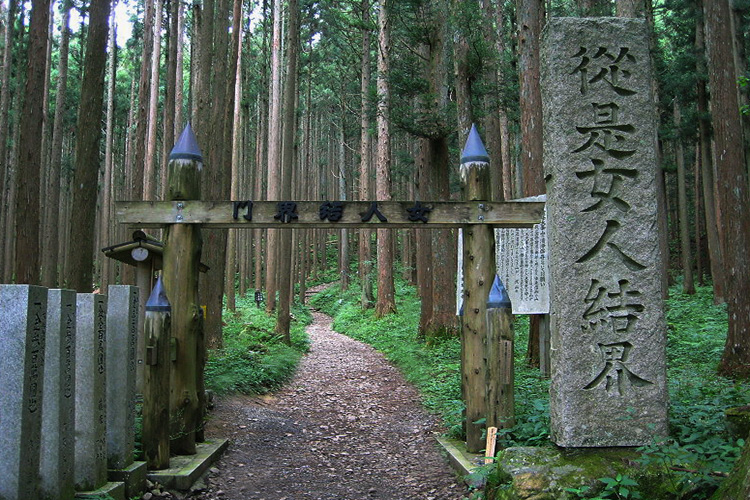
{"x": 474, "y": 150}
{"x": 498, "y": 295}
{"x": 186, "y": 147}
{"x": 158, "y": 300}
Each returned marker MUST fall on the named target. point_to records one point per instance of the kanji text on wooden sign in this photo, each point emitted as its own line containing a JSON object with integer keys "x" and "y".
{"x": 328, "y": 214}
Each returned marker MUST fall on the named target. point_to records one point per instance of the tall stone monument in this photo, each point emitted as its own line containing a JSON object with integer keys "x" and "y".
{"x": 22, "y": 332}
{"x": 122, "y": 337}
{"x": 58, "y": 413}
{"x": 91, "y": 395}
{"x": 608, "y": 340}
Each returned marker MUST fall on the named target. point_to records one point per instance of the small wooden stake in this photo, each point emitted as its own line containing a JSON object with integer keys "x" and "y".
{"x": 489, "y": 449}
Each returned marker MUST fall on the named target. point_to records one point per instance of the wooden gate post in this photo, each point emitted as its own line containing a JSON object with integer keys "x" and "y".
{"x": 156, "y": 379}
{"x": 479, "y": 273}
{"x": 182, "y": 253}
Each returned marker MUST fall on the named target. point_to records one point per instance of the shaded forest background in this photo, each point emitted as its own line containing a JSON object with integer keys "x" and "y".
{"x": 337, "y": 100}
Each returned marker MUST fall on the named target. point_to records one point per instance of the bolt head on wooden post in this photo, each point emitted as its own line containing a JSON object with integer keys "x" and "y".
{"x": 184, "y": 168}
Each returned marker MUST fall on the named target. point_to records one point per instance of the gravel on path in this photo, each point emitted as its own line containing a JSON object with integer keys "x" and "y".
{"x": 347, "y": 427}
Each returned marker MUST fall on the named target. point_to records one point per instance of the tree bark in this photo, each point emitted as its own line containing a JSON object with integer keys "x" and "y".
{"x": 170, "y": 89}
{"x": 733, "y": 197}
{"x": 5, "y": 103}
{"x": 629, "y": 8}
{"x": 144, "y": 87}
{"x": 150, "y": 175}
{"x": 235, "y": 190}
{"x": 365, "y": 165}
{"x": 107, "y": 274}
{"x": 386, "y": 303}
{"x": 28, "y": 172}
{"x": 274, "y": 155}
{"x": 344, "y": 233}
{"x": 707, "y": 171}
{"x": 530, "y": 21}
{"x": 88, "y": 136}
{"x": 179, "y": 61}
{"x": 50, "y": 259}
{"x": 289, "y": 123}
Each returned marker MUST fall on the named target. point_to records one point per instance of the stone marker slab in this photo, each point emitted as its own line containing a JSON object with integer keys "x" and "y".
{"x": 91, "y": 395}
{"x": 22, "y": 331}
{"x": 122, "y": 337}
{"x": 58, "y": 415}
{"x": 608, "y": 333}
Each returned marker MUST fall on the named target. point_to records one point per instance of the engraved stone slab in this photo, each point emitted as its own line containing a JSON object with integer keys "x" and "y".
{"x": 22, "y": 331}
{"x": 122, "y": 336}
{"x": 608, "y": 383}
{"x": 58, "y": 415}
{"x": 91, "y": 395}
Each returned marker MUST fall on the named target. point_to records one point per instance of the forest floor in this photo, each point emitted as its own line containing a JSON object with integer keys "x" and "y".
{"x": 347, "y": 427}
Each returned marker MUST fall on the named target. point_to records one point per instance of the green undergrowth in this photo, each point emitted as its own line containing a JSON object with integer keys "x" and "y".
{"x": 689, "y": 463}
{"x": 254, "y": 360}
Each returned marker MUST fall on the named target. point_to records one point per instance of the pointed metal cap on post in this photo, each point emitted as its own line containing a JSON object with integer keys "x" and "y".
{"x": 474, "y": 150}
{"x": 184, "y": 168}
{"x": 498, "y": 295}
{"x": 186, "y": 147}
{"x": 158, "y": 301}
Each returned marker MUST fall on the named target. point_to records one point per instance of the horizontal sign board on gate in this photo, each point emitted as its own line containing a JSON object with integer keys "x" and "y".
{"x": 328, "y": 214}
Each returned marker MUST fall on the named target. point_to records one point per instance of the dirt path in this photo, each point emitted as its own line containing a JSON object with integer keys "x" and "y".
{"x": 346, "y": 428}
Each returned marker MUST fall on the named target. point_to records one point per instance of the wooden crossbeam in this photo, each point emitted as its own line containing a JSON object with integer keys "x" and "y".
{"x": 267, "y": 214}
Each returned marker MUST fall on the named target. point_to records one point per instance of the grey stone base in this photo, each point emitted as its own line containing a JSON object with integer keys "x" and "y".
{"x": 114, "y": 490}
{"x": 134, "y": 477}
{"x": 461, "y": 460}
{"x": 184, "y": 470}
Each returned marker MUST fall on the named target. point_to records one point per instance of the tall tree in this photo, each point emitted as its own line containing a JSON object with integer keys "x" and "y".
{"x": 29, "y": 167}
{"x": 365, "y": 155}
{"x": 530, "y": 21}
{"x": 274, "y": 153}
{"x": 733, "y": 194}
{"x": 707, "y": 171}
{"x": 688, "y": 285}
{"x": 289, "y": 128}
{"x": 149, "y": 169}
{"x": 5, "y": 95}
{"x": 386, "y": 302}
{"x": 105, "y": 223}
{"x": 50, "y": 259}
{"x": 89, "y": 131}
{"x": 144, "y": 88}
{"x": 213, "y": 94}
